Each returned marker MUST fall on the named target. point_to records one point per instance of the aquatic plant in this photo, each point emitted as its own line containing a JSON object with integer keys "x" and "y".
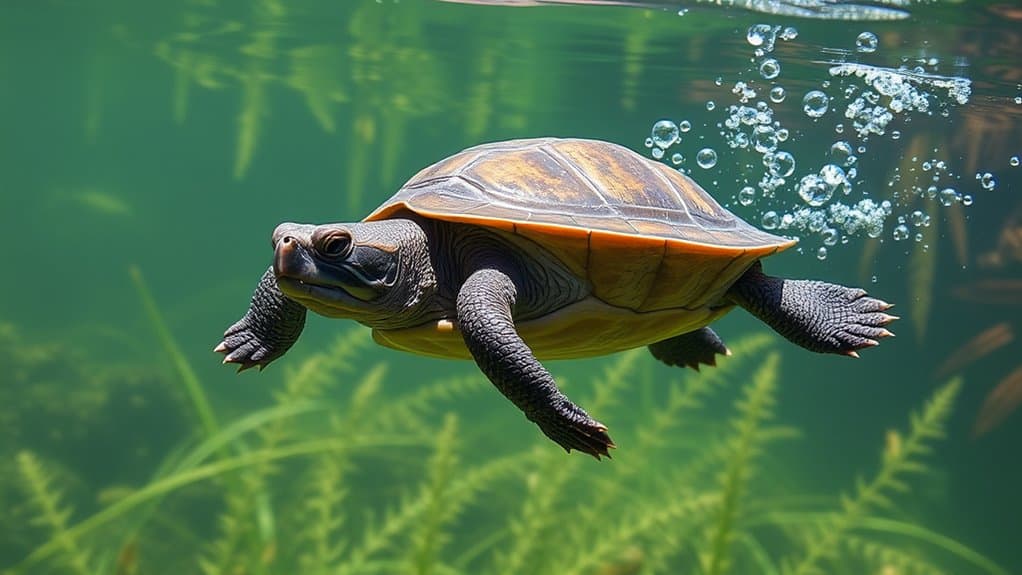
{"x": 997, "y": 285}
{"x": 900, "y": 459}
{"x": 52, "y": 513}
{"x": 751, "y": 411}
{"x": 368, "y": 478}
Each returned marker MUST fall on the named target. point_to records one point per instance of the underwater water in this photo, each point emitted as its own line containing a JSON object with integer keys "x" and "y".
{"x": 149, "y": 149}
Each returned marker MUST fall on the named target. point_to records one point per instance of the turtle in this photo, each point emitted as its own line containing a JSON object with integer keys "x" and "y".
{"x": 519, "y": 251}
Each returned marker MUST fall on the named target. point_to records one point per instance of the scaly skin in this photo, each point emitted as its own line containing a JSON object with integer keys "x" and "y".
{"x": 819, "y": 316}
{"x": 692, "y": 349}
{"x": 268, "y": 329}
{"x": 484, "y": 315}
{"x": 382, "y": 274}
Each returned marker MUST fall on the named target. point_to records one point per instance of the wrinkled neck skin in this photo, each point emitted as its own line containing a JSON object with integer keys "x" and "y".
{"x": 542, "y": 283}
{"x": 376, "y": 273}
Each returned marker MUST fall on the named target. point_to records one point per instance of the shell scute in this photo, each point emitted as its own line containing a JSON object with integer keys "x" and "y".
{"x": 641, "y": 232}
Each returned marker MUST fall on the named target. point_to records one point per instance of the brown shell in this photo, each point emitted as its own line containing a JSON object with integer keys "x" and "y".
{"x": 646, "y": 236}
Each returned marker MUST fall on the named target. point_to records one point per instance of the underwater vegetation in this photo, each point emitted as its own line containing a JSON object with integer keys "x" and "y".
{"x": 998, "y": 286}
{"x": 357, "y": 467}
{"x": 371, "y": 83}
{"x": 350, "y": 471}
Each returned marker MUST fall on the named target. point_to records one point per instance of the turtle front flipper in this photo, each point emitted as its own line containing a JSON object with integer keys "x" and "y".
{"x": 269, "y": 328}
{"x": 485, "y": 302}
{"x": 690, "y": 349}
{"x": 818, "y": 316}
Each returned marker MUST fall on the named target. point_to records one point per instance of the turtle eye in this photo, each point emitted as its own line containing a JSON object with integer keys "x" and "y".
{"x": 335, "y": 245}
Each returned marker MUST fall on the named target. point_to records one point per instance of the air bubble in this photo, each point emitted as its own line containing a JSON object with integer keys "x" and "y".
{"x": 988, "y": 181}
{"x": 710, "y": 105}
{"x": 665, "y": 133}
{"x": 948, "y": 196}
{"x": 900, "y": 232}
{"x": 781, "y": 164}
{"x": 758, "y": 34}
{"x": 706, "y": 158}
{"x": 866, "y": 42}
{"x": 657, "y": 153}
{"x": 770, "y": 220}
{"x": 764, "y": 139}
{"x": 814, "y": 191}
{"x": 770, "y": 69}
{"x": 1013, "y": 161}
{"x": 835, "y": 178}
{"x": 684, "y": 126}
{"x": 966, "y": 200}
{"x": 747, "y": 195}
{"x": 777, "y": 94}
{"x": 821, "y": 254}
{"x": 677, "y": 159}
{"x": 815, "y": 104}
{"x": 842, "y": 153}
{"x": 830, "y": 236}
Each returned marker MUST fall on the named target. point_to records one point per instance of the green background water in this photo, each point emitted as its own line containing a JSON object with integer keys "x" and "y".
{"x": 171, "y": 138}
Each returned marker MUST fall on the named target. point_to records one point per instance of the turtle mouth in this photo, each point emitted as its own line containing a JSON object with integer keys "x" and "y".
{"x": 330, "y": 288}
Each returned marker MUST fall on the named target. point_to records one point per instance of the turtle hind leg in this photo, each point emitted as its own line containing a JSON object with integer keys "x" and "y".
{"x": 819, "y": 316}
{"x": 690, "y": 349}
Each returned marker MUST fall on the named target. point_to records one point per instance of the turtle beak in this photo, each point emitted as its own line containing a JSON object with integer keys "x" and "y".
{"x": 291, "y": 255}
{"x": 291, "y": 260}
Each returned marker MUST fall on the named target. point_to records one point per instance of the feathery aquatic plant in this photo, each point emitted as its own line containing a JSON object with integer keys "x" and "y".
{"x": 52, "y": 513}
{"x": 900, "y": 459}
{"x": 657, "y": 507}
{"x": 752, "y": 410}
{"x": 324, "y": 511}
{"x": 428, "y": 536}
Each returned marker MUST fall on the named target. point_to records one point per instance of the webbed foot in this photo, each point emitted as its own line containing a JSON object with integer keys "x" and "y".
{"x": 269, "y": 328}
{"x": 242, "y": 345}
{"x": 692, "y": 349}
{"x": 572, "y": 428}
{"x": 850, "y": 320}
{"x": 819, "y": 316}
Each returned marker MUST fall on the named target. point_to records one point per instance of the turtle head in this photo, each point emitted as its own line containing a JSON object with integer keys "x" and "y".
{"x": 377, "y": 273}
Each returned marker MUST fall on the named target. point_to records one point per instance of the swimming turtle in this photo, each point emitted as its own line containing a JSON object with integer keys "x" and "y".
{"x": 517, "y": 251}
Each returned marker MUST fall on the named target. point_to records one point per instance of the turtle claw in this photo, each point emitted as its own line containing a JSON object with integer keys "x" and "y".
{"x": 861, "y": 325}
{"x": 242, "y": 346}
{"x": 268, "y": 329}
{"x": 582, "y": 434}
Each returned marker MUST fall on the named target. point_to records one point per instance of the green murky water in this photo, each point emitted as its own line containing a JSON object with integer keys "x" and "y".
{"x": 149, "y": 149}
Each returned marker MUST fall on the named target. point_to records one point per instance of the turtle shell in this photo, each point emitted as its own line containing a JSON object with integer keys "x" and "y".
{"x": 645, "y": 236}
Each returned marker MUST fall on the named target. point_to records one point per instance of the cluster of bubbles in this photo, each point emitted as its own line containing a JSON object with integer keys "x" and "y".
{"x": 823, "y": 204}
{"x": 888, "y": 92}
{"x": 934, "y": 173}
